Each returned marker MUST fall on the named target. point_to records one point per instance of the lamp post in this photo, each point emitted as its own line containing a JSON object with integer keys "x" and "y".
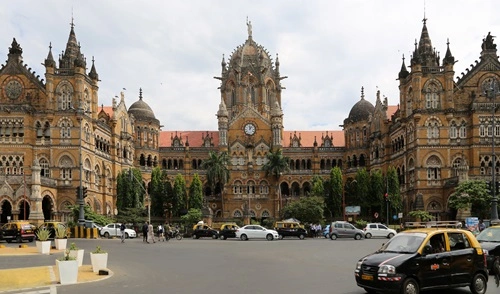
{"x": 491, "y": 92}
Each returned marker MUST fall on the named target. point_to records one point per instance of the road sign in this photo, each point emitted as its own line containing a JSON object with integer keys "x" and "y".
{"x": 375, "y": 214}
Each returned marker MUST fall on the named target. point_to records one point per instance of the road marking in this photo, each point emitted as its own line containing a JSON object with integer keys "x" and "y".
{"x": 51, "y": 290}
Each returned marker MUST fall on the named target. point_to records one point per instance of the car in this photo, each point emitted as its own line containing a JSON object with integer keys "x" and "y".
{"x": 17, "y": 231}
{"x": 228, "y": 230}
{"x": 113, "y": 230}
{"x": 203, "y": 230}
{"x": 256, "y": 232}
{"x": 489, "y": 239}
{"x": 421, "y": 259}
{"x": 290, "y": 229}
{"x": 51, "y": 226}
{"x": 343, "y": 229}
{"x": 378, "y": 230}
{"x": 326, "y": 231}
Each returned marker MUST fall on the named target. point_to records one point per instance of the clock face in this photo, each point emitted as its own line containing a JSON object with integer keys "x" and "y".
{"x": 490, "y": 86}
{"x": 249, "y": 129}
{"x": 13, "y": 89}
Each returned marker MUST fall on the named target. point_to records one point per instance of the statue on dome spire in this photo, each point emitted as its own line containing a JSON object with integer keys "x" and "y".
{"x": 249, "y": 27}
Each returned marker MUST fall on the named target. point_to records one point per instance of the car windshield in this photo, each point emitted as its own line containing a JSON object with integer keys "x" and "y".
{"x": 404, "y": 243}
{"x": 489, "y": 235}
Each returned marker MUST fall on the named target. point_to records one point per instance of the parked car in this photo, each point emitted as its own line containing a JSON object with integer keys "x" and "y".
{"x": 489, "y": 239}
{"x": 256, "y": 232}
{"x": 203, "y": 230}
{"x": 378, "y": 230}
{"x": 113, "y": 230}
{"x": 290, "y": 229}
{"x": 51, "y": 226}
{"x": 342, "y": 229}
{"x": 228, "y": 230}
{"x": 17, "y": 231}
{"x": 422, "y": 259}
{"x": 326, "y": 231}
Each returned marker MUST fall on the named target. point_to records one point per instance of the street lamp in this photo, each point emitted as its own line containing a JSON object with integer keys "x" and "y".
{"x": 491, "y": 92}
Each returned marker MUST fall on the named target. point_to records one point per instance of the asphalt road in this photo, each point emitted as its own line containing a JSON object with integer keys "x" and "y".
{"x": 231, "y": 266}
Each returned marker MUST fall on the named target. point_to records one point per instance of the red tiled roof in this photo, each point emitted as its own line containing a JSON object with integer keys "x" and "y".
{"x": 391, "y": 109}
{"x": 107, "y": 109}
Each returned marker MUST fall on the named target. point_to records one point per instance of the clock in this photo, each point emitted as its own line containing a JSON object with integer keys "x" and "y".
{"x": 13, "y": 89}
{"x": 249, "y": 129}
{"x": 490, "y": 86}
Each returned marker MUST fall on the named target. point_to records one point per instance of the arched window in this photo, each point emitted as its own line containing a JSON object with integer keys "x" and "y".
{"x": 432, "y": 96}
{"x": 66, "y": 165}
{"x": 433, "y": 168}
{"x": 453, "y": 130}
{"x": 64, "y": 94}
{"x": 45, "y": 171}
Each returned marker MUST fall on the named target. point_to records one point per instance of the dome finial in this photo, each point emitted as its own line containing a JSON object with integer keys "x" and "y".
{"x": 362, "y": 93}
{"x": 140, "y": 93}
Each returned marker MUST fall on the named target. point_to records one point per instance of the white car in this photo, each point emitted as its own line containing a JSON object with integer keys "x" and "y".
{"x": 378, "y": 230}
{"x": 113, "y": 230}
{"x": 256, "y": 232}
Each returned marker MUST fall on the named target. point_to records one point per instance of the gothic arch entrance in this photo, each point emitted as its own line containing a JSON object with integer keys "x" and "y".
{"x": 47, "y": 208}
{"x": 6, "y": 211}
{"x": 24, "y": 210}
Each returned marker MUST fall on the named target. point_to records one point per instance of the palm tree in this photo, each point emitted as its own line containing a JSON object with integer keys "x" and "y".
{"x": 276, "y": 164}
{"x": 217, "y": 171}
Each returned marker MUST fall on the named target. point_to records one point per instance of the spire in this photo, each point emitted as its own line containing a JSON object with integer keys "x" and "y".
{"x": 223, "y": 64}
{"x": 403, "y": 73}
{"x": 140, "y": 93}
{"x": 72, "y": 56}
{"x": 277, "y": 63}
{"x": 15, "y": 52}
{"x": 425, "y": 49}
{"x": 49, "y": 61}
{"x": 448, "y": 57}
{"x": 362, "y": 93}
{"x": 93, "y": 73}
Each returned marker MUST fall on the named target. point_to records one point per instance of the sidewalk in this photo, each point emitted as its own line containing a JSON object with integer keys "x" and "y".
{"x": 41, "y": 276}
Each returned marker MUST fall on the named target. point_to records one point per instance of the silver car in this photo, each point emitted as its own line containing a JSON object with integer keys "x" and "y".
{"x": 341, "y": 229}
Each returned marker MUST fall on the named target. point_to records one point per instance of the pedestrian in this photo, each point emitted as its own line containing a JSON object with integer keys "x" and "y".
{"x": 313, "y": 230}
{"x": 151, "y": 234}
{"x": 145, "y": 232}
{"x": 160, "y": 233}
{"x": 481, "y": 226}
{"x": 122, "y": 231}
{"x": 318, "y": 230}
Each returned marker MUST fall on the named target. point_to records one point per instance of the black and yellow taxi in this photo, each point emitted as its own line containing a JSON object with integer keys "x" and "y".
{"x": 52, "y": 226}
{"x": 290, "y": 229}
{"x": 228, "y": 230}
{"x": 423, "y": 259}
{"x": 204, "y": 230}
{"x": 17, "y": 231}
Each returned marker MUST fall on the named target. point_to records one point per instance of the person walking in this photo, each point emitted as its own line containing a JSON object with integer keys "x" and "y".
{"x": 145, "y": 232}
{"x": 151, "y": 234}
{"x": 122, "y": 231}
{"x": 160, "y": 233}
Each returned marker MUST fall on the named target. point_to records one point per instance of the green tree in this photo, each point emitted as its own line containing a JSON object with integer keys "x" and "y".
{"x": 195, "y": 193}
{"x": 179, "y": 196}
{"x": 89, "y": 215}
{"x": 276, "y": 165}
{"x": 334, "y": 193}
{"x": 318, "y": 188}
{"x": 191, "y": 217}
{"x": 393, "y": 187}
{"x": 377, "y": 191}
{"x": 307, "y": 209}
{"x": 472, "y": 194}
{"x": 157, "y": 192}
{"x": 217, "y": 171}
{"x": 130, "y": 190}
{"x": 362, "y": 190}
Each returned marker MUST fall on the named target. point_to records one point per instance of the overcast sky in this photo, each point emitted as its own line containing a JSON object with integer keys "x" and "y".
{"x": 173, "y": 49}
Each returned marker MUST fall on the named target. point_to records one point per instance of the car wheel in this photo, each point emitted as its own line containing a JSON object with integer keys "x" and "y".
{"x": 410, "y": 286}
{"x": 178, "y": 237}
{"x": 19, "y": 239}
{"x": 357, "y": 237}
{"x": 106, "y": 235}
{"x": 280, "y": 237}
{"x": 244, "y": 237}
{"x": 222, "y": 237}
{"x": 126, "y": 236}
{"x": 333, "y": 237}
{"x": 368, "y": 235}
{"x": 194, "y": 236}
{"x": 214, "y": 236}
{"x": 31, "y": 240}
{"x": 390, "y": 235}
{"x": 301, "y": 237}
{"x": 269, "y": 237}
{"x": 478, "y": 284}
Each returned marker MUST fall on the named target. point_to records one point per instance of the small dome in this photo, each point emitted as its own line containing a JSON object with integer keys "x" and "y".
{"x": 141, "y": 110}
{"x": 360, "y": 111}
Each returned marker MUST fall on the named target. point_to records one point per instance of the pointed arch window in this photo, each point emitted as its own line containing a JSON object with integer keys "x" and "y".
{"x": 433, "y": 168}
{"x": 64, "y": 94}
{"x": 462, "y": 132}
{"x": 66, "y": 165}
{"x": 44, "y": 165}
{"x": 453, "y": 130}
{"x": 97, "y": 175}
{"x": 432, "y": 96}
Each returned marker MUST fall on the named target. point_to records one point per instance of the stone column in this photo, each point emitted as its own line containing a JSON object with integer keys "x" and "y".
{"x": 36, "y": 213}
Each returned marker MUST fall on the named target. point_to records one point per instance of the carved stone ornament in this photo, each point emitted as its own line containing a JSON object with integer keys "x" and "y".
{"x": 13, "y": 89}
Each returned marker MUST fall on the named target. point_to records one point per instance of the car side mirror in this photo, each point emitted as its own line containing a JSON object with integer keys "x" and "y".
{"x": 427, "y": 249}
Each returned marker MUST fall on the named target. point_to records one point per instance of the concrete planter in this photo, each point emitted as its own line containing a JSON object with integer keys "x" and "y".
{"x": 68, "y": 271}
{"x": 61, "y": 244}
{"x": 99, "y": 261}
{"x": 78, "y": 254}
{"x": 43, "y": 247}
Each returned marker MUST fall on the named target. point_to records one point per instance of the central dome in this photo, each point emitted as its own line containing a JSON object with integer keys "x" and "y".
{"x": 360, "y": 111}
{"x": 141, "y": 110}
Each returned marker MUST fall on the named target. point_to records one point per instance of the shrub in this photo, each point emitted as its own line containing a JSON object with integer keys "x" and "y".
{"x": 43, "y": 234}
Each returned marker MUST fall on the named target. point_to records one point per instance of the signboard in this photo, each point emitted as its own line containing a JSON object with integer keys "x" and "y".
{"x": 375, "y": 215}
{"x": 352, "y": 210}
{"x": 472, "y": 224}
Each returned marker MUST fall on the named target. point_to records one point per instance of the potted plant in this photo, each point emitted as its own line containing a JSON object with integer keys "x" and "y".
{"x": 42, "y": 242}
{"x": 67, "y": 266}
{"x": 76, "y": 253}
{"x": 99, "y": 259}
{"x": 61, "y": 237}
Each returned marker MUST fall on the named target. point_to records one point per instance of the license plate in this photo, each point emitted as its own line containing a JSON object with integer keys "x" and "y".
{"x": 367, "y": 277}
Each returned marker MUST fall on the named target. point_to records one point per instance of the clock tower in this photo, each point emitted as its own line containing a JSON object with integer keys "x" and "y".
{"x": 250, "y": 122}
